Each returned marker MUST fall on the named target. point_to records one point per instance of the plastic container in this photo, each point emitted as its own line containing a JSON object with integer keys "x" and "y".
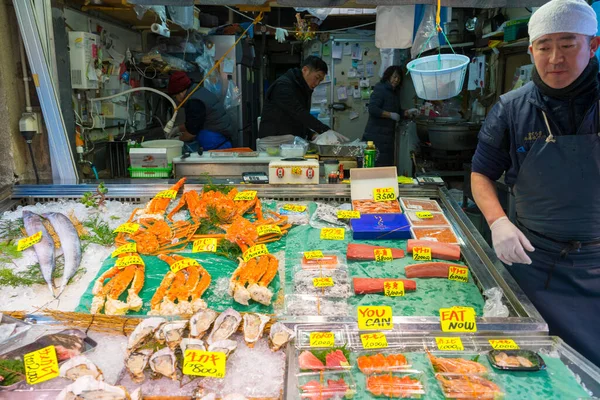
{"x": 297, "y": 213}
{"x": 438, "y": 77}
{"x": 331, "y": 166}
{"x": 437, "y": 219}
{"x": 150, "y": 172}
{"x": 307, "y": 305}
{"x": 330, "y": 259}
{"x": 515, "y": 29}
{"x": 249, "y": 154}
{"x": 382, "y": 361}
{"x": 173, "y": 147}
{"x": 292, "y": 150}
{"x": 455, "y": 386}
{"x": 326, "y": 385}
{"x": 419, "y": 204}
{"x": 396, "y": 385}
{"x": 327, "y": 359}
{"x": 376, "y": 207}
{"x": 222, "y": 154}
{"x": 273, "y": 151}
{"x": 452, "y": 366}
{"x": 303, "y": 281}
{"x": 442, "y": 234}
{"x": 516, "y": 360}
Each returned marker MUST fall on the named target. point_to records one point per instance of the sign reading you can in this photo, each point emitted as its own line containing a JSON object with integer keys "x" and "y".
{"x": 375, "y": 318}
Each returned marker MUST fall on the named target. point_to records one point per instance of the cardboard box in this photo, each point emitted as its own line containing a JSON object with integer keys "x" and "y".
{"x": 148, "y": 158}
{"x": 381, "y": 227}
{"x": 364, "y": 181}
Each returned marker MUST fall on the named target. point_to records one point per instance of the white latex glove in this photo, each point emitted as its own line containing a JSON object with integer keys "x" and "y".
{"x": 280, "y": 35}
{"x": 395, "y": 116}
{"x": 341, "y": 137}
{"x": 411, "y": 113}
{"x": 510, "y": 243}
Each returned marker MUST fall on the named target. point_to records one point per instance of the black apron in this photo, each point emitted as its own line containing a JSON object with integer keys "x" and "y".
{"x": 557, "y": 196}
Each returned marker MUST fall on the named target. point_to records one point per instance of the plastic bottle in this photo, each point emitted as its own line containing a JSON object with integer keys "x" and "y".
{"x": 369, "y": 156}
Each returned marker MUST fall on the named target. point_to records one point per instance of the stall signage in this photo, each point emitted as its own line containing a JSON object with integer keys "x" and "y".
{"x": 393, "y": 288}
{"x": 294, "y": 208}
{"x": 449, "y": 344}
{"x": 424, "y": 214}
{"x": 374, "y": 340}
{"x": 268, "y": 229}
{"x": 126, "y": 248}
{"x": 459, "y": 274}
{"x": 313, "y": 255}
{"x": 128, "y": 260}
{"x": 422, "y": 253}
{"x": 255, "y": 251}
{"x": 322, "y": 339}
{"x": 375, "y": 318}
{"x": 127, "y": 227}
{"x": 344, "y": 214}
{"x": 41, "y": 365}
{"x": 382, "y": 255}
{"x": 384, "y": 194}
{"x": 27, "y": 242}
{"x": 204, "y": 245}
{"x": 204, "y": 363}
{"x": 333, "y": 233}
{"x": 166, "y": 194}
{"x": 183, "y": 264}
{"x": 324, "y": 281}
{"x": 245, "y": 195}
{"x": 504, "y": 344}
{"x": 458, "y": 319}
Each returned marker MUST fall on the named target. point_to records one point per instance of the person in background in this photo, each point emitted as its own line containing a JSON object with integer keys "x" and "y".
{"x": 544, "y": 138}
{"x": 207, "y": 124}
{"x": 384, "y": 112}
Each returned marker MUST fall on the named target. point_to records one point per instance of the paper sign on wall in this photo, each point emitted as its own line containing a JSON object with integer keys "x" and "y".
{"x": 337, "y": 51}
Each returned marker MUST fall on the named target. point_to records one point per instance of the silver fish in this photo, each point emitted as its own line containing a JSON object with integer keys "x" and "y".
{"x": 44, "y": 249}
{"x": 70, "y": 243}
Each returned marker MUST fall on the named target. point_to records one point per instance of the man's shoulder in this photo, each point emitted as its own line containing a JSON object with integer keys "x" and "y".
{"x": 524, "y": 93}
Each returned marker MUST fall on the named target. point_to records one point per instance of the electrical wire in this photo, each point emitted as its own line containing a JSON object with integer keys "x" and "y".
{"x": 35, "y": 170}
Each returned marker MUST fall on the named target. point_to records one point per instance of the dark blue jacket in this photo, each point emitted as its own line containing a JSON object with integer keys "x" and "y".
{"x": 516, "y": 122}
{"x": 383, "y": 98}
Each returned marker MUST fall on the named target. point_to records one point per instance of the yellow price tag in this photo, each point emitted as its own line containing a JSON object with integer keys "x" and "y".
{"x": 422, "y": 253}
{"x": 128, "y": 260}
{"x": 382, "y": 255}
{"x": 384, "y": 194}
{"x": 449, "y": 344}
{"x": 313, "y": 255}
{"x": 504, "y": 344}
{"x": 255, "y": 251}
{"x": 374, "y": 340}
{"x": 166, "y": 194}
{"x": 27, "y": 242}
{"x": 458, "y": 319}
{"x": 204, "y": 245}
{"x": 324, "y": 281}
{"x": 333, "y": 233}
{"x": 126, "y": 248}
{"x": 344, "y": 214}
{"x": 245, "y": 195}
{"x": 294, "y": 208}
{"x": 405, "y": 180}
{"x": 204, "y": 363}
{"x": 393, "y": 288}
{"x": 424, "y": 214}
{"x": 322, "y": 339}
{"x": 41, "y": 365}
{"x": 268, "y": 229}
{"x": 127, "y": 227}
{"x": 183, "y": 264}
{"x": 375, "y": 318}
{"x": 459, "y": 274}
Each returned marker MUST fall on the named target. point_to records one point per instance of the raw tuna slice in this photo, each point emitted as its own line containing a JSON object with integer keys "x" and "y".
{"x": 429, "y": 270}
{"x": 443, "y": 251}
{"x": 338, "y": 387}
{"x": 365, "y": 252}
{"x": 314, "y": 391}
{"x": 375, "y": 285}
{"x": 307, "y": 360}
{"x": 336, "y": 359}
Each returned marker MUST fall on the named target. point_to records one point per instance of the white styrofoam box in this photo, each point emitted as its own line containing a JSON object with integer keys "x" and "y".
{"x": 294, "y": 172}
{"x": 148, "y": 158}
{"x": 364, "y": 180}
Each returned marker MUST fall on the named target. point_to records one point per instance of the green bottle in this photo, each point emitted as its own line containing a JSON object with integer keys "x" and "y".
{"x": 369, "y": 155}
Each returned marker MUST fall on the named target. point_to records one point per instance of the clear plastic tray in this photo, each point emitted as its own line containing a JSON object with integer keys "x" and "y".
{"x": 331, "y": 359}
{"x": 331, "y": 259}
{"x": 419, "y": 204}
{"x": 303, "y": 332}
{"x": 218, "y": 154}
{"x": 20, "y": 328}
{"x": 516, "y": 360}
{"x": 433, "y": 233}
{"x": 249, "y": 154}
{"x": 438, "y": 219}
{"x": 382, "y": 361}
{"x": 455, "y": 386}
{"x": 376, "y": 207}
{"x": 404, "y": 385}
{"x": 292, "y": 150}
{"x": 326, "y": 385}
{"x": 307, "y": 305}
{"x": 451, "y": 363}
{"x": 304, "y": 284}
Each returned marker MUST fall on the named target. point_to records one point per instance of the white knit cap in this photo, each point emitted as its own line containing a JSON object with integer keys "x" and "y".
{"x": 571, "y": 16}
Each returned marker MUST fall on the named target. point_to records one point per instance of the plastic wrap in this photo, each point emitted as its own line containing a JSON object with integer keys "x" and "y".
{"x": 182, "y": 16}
{"x": 304, "y": 281}
{"x": 493, "y": 304}
{"x": 233, "y": 96}
{"x": 294, "y": 217}
{"x": 325, "y": 216}
{"x": 425, "y": 31}
{"x": 140, "y": 10}
{"x": 320, "y": 13}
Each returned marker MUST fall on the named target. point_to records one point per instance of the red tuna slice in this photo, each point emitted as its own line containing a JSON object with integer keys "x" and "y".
{"x": 314, "y": 391}
{"x": 375, "y": 285}
{"x": 429, "y": 270}
{"x": 340, "y": 386}
{"x": 443, "y": 251}
{"x": 307, "y": 360}
{"x": 336, "y": 359}
{"x": 366, "y": 252}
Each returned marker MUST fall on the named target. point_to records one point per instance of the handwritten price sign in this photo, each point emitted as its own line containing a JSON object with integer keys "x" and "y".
{"x": 384, "y": 194}
{"x": 268, "y": 229}
{"x": 128, "y": 260}
{"x": 458, "y": 319}
{"x": 343, "y": 214}
{"x": 204, "y": 363}
{"x": 245, "y": 195}
{"x": 324, "y": 281}
{"x": 313, "y": 255}
{"x": 393, "y": 288}
{"x": 126, "y": 248}
{"x": 205, "y": 245}
{"x": 183, "y": 264}
{"x": 504, "y": 344}
{"x": 294, "y": 208}
{"x": 449, "y": 343}
{"x": 27, "y": 242}
{"x": 255, "y": 251}
{"x": 459, "y": 274}
{"x": 382, "y": 255}
{"x": 166, "y": 194}
{"x": 322, "y": 339}
{"x": 424, "y": 215}
{"x": 374, "y": 340}
{"x": 375, "y": 318}
{"x": 422, "y": 253}
{"x": 333, "y": 233}
{"x": 41, "y": 365}
{"x": 127, "y": 227}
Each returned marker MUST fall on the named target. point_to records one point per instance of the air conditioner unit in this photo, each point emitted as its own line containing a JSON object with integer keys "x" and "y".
{"x": 83, "y": 52}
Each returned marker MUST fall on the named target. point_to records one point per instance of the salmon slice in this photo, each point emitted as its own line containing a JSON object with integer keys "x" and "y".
{"x": 375, "y": 285}
{"x": 366, "y": 252}
{"x": 430, "y": 270}
{"x": 443, "y": 251}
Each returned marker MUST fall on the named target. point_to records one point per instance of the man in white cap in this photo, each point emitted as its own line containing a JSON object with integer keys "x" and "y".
{"x": 544, "y": 138}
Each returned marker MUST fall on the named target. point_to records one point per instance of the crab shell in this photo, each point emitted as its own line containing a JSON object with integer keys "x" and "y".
{"x": 136, "y": 363}
{"x": 225, "y": 325}
{"x": 224, "y": 346}
{"x": 143, "y": 331}
{"x": 279, "y": 336}
{"x": 79, "y": 366}
{"x": 86, "y": 387}
{"x": 254, "y": 325}
{"x": 201, "y": 321}
{"x": 191, "y": 344}
{"x": 163, "y": 362}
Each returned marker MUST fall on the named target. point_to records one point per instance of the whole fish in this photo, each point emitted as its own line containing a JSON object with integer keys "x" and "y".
{"x": 44, "y": 249}
{"x": 70, "y": 243}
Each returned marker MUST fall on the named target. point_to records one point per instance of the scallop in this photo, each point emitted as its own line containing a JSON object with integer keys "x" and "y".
{"x": 136, "y": 363}
{"x": 143, "y": 332}
{"x": 224, "y": 346}
{"x": 279, "y": 336}
{"x": 163, "y": 362}
{"x": 254, "y": 325}
{"x": 80, "y": 366}
{"x": 225, "y": 325}
{"x": 201, "y": 321}
{"x": 86, "y": 387}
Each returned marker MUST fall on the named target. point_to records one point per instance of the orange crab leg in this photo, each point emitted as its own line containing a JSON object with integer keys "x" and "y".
{"x": 121, "y": 281}
{"x": 202, "y": 285}
{"x": 271, "y": 271}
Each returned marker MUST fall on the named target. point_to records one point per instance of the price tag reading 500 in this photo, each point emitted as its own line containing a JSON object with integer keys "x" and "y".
{"x": 384, "y": 194}
{"x": 204, "y": 363}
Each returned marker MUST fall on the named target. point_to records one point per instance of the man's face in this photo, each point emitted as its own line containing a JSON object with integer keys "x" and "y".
{"x": 561, "y": 57}
{"x": 312, "y": 77}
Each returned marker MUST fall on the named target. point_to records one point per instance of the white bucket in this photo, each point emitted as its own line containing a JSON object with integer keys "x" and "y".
{"x": 173, "y": 147}
{"x": 438, "y": 77}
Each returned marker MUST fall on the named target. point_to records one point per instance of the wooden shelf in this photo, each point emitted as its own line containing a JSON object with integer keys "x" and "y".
{"x": 524, "y": 42}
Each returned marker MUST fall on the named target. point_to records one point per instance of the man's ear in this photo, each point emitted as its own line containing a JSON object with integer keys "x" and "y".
{"x": 594, "y": 42}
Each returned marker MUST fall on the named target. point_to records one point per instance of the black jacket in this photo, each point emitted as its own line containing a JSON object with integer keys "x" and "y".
{"x": 383, "y": 98}
{"x": 286, "y": 108}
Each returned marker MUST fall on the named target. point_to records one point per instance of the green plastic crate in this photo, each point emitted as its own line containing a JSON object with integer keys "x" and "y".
{"x": 515, "y": 29}
{"x": 150, "y": 172}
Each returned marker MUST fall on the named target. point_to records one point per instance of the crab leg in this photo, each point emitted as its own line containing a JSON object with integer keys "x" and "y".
{"x": 260, "y": 292}
{"x": 133, "y": 299}
{"x": 113, "y": 305}
{"x": 203, "y": 284}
